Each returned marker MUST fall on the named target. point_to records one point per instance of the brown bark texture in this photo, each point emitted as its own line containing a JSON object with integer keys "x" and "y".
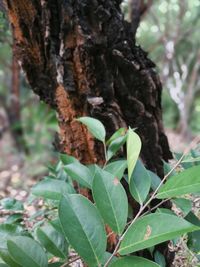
{"x": 80, "y": 57}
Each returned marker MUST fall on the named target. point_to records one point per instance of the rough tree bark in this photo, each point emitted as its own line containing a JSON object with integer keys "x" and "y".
{"x": 80, "y": 57}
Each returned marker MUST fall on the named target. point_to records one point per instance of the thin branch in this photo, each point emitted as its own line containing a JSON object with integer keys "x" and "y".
{"x": 193, "y": 144}
{"x": 69, "y": 262}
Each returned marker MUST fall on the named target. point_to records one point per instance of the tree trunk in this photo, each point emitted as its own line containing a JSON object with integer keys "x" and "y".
{"x": 80, "y": 57}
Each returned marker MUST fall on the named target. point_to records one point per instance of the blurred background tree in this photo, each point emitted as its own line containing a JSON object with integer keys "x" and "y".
{"x": 24, "y": 140}
{"x": 169, "y": 32}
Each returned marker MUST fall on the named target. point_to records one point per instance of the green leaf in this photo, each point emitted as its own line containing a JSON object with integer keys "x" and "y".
{"x": 57, "y": 225}
{"x": 14, "y": 218}
{"x": 133, "y": 150}
{"x": 80, "y": 173}
{"x": 184, "y": 204}
{"x": 27, "y": 252}
{"x": 186, "y": 182}
{"x": 53, "y": 241}
{"x": 166, "y": 211}
{"x": 95, "y": 127}
{"x": 119, "y": 133}
{"x": 153, "y": 229}
{"x": 83, "y": 228}
{"x": 4, "y": 254}
{"x": 114, "y": 146}
{"x": 52, "y": 189}
{"x": 11, "y": 204}
{"x": 160, "y": 259}
{"x": 117, "y": 168}
{"x": 8, "y": 231}
{"x": 193, "y": 241}
{"x": 193, "y": 160}
{"x": 55, "y": 264}
{"x": 66, "y": 159}
{"x": 111, "y": 200}
{"x": 133, "y": 261}
{"x": 155, "y": 180}
{"x": 167, "y": 169}
{"x": 192, "y": 218}
{"x": 140, "y": 183}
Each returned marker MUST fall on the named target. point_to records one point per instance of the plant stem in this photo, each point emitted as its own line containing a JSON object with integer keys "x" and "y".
{"x": 193, "y": 143}
{"x": 69, "y": 262}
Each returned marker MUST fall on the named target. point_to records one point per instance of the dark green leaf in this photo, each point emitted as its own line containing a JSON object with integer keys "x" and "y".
{"x": 160, "y": 259}
{"x": 155, "y": 180}
{"x": 193, "y": 241}
{"x": 111, "y": 200}
{"x": 83, "y": 228}
{"x": 53, "y": 241}
{"x": 153, "y": 229}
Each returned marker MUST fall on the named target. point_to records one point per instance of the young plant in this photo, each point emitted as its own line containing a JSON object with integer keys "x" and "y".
{"x": 73, "y": 222}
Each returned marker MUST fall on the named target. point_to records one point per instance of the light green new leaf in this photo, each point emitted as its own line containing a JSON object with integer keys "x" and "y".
{"x": 117, "y": 168}
{"x": 80, "y": 173}
{"x": 27, "y": 252}
{"x": 111, "y": 200}
{"x": 118, "y": 133}
{"x": 133, "y": 150}
{"x": 153, "y": 229}
{"x": 140, "y": 182}
{"x": 186, "y": 182}
{"x": 83, "y": 227}
{"x": 52, "y": 189}
{"x": 133, "y": 261}
{"x": 114, "y": 146}
{"x": 53, "y": 241}
{"x": 95, "y": 127}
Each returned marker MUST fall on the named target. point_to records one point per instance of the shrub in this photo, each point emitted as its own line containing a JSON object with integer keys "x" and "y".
{"x": 71, "y": 220}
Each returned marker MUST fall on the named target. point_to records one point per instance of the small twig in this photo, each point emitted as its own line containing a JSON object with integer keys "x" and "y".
{"x": 157, "y": 206}
{"x": 193, "y": 143}
{"x": 71, "y": 261}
